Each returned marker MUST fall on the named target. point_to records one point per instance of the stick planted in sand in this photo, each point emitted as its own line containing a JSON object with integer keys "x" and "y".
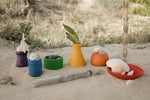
{"x": 65, "y": 78}
{"x": 125, "y": 28}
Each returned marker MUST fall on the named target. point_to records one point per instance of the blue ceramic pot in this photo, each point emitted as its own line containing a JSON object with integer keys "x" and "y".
{"x": 35, "y": 67}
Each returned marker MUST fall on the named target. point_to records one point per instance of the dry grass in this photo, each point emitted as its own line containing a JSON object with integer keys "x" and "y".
{"x": 47, "y": 17}
{"x": 13, "y": 8}
{"x": 141, "y": 34}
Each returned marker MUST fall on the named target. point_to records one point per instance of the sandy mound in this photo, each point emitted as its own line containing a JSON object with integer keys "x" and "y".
{"x": 104, "y": 86}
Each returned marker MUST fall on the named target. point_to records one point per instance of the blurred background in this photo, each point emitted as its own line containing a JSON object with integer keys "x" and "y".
{"x": 97, "y": 22}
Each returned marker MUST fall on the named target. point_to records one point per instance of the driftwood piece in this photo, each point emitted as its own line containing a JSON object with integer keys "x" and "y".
{"x": 65, "y": 78}
{"x": 125, "y": 28}
{"x": 5, "y": 79}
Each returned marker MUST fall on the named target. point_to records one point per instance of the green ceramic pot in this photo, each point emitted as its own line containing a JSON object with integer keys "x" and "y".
{"x": 53, "y": 64}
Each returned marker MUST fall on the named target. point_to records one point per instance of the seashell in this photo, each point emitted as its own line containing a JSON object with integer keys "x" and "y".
{"x": 101, "y": 51}
{"x": 130, "y": 73}
{"x": 123, "y": 73}
{"x": 34, "y": 56}
{"x": 5, "y": 79}
{"x": 118, "y": 66}
{"x": 118, "y": 69}
{"x": 129, "y": 82}
{"x": 96, "y": 50}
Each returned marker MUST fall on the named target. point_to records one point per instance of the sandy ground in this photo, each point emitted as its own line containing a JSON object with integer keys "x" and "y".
{"x": 98, "y": 87}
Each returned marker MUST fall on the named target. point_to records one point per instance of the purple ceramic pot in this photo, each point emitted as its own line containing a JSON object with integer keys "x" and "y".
{"x": 22, "y": 60}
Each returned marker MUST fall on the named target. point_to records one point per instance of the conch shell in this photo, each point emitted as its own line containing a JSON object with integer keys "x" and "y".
{"x": 23, "y": 47}
{"x": 34, "y": 56}
{"x": 118, "y": 66}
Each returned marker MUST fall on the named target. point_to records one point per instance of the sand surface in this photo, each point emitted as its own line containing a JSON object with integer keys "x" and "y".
{"x": 98, "y": 87}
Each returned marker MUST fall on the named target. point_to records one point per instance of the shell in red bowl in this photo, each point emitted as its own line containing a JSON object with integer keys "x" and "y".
{"x": 137, "y": 72}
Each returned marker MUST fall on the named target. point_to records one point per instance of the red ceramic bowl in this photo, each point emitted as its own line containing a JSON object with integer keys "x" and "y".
{"x": 137, "y": 73}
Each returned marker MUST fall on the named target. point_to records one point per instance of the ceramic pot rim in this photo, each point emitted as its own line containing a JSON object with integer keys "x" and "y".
{"x": 73, "y": 44}
{"x": 21, "y": 52}
{"x": 34, "y": 60}
{"x": 99, "y": 54}
{"x": 60, "y": 57}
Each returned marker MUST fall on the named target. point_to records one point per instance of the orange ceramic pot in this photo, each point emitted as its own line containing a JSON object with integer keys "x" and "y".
{"x": 76, "y": 58}
{"x": 99, "y": 59}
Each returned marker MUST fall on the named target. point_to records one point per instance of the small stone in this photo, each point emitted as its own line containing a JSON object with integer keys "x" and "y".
{"x": 129, "y": 82}
{"x": 52, "y": 57}
{"x": 11, "y": 83}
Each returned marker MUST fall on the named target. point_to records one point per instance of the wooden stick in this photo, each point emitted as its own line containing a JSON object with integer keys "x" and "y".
{"x": 125, "y": 28}
{"x": 65, "y": 78}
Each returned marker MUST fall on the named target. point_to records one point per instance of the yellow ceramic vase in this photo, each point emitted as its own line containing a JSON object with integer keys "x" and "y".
{"x": 76, "y": 58}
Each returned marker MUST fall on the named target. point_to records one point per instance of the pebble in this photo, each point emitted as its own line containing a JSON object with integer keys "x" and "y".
{"x": 52, "y": 57}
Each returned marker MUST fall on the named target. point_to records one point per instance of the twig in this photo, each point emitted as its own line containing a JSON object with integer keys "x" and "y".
{"x": 65, "y": 78}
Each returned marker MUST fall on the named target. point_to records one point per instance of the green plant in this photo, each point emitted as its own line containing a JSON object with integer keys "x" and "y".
{"x": 25, "y": 27}
{"x": 115, "y": 4}
{"x": 13, "y": 33}
{"x": 142, "y": 11}
{"x": 142, "y": 1}
{"x": 71, "y": 34}
{"x": 10, "y": 32}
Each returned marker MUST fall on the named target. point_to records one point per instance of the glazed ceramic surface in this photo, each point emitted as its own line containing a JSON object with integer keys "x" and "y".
{"x": 99, "y": 59}
{"x": 76, "y": 58}
{"x": 53, "y": 64}
{"x": 22, "y": 60}
{"x": 35, "y": 67}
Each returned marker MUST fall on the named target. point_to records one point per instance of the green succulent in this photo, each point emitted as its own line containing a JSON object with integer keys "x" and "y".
{"x": 71, "y": 34}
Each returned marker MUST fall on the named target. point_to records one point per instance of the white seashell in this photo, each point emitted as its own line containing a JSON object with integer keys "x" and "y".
{"x": 34, "y": 56}
{"x": 130, "y": 73}
{"x": 118, "y": 66}
{"x": 123, "y": 73}
{"x": 118, "y": 69}
{"x": 129, "y": 82}
{"x": 96, "y": 50}
{"x": 101, "y": 51}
